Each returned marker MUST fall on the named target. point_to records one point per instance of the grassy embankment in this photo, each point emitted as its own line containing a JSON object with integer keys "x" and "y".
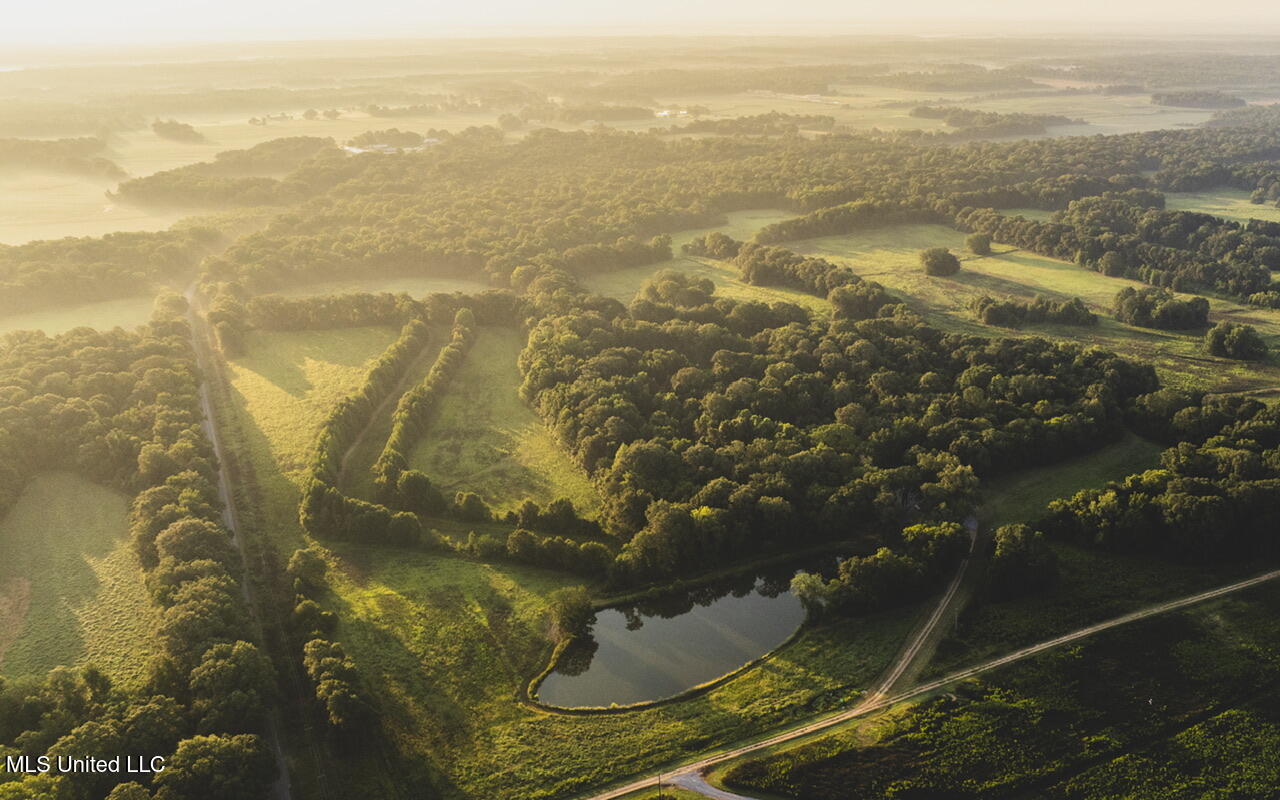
{"x": 447, "y": 644}
{"x": 71, "y": 588}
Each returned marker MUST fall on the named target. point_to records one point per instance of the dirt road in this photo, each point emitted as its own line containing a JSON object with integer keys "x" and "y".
{"x": 867, "y": 706}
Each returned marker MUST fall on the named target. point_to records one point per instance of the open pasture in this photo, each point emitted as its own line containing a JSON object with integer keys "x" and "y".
{"x": 128, "y": 312}
{"x": 1223, "y": 202}
{"x": 71, "y": 588}
{"x": 890, "y": 256}
{"x": 483, "y": 438}
{"x": 281, "y": 391}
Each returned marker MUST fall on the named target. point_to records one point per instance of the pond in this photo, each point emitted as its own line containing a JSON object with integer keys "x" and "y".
{"x": 660, "y": 648}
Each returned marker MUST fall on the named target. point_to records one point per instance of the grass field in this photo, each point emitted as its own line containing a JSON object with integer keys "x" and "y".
{"x": 483, "y": 438}
{"x": 1227, "y": 203}
{"x": 1024, "y": 496}
{"x": 281, "y": 390}
{"x": 128, "y": 312}
{"x": 448, "y": 644}
{"x": 890, "y": 256}
{"x": 623, "y": 284}
{"x": 71, "y": 588}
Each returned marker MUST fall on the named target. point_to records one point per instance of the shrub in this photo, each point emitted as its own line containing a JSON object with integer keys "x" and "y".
{"x": 939, "y": 261}
{"x": 1233, "y": 340}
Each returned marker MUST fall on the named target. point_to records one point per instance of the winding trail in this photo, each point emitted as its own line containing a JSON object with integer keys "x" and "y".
{"x": 202, "y": 345}
{"x": 690, "y": 775}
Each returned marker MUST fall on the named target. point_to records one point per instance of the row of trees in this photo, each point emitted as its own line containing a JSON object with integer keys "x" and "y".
{"x": 79, "y": 156}
{"x": 1009, "y": 313}
{"x": 124, "y": 408}
{"x": 65, "y": 271}
{"x": 409, "y": 421}
{"x": 1155, "y": 307}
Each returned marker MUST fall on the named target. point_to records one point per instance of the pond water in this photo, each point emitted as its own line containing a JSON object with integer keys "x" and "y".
{"x": 660, "y": 648}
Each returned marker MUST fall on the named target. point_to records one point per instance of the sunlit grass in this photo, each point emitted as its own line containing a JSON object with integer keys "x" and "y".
{"x": 1228, "y": 203}
{"x": 71, "y": 588}
{"x": 483, "y": 438}
{"x": 890, "y": 256}
{"x": 128, "y": 312}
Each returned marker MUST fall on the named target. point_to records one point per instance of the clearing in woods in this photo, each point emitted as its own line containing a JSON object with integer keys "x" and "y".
{"x": 482, "y": 437}
{"x": 71, "y": 587}
{"x": 890, "y": 256}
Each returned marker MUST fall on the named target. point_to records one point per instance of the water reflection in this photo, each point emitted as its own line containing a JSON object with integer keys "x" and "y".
{"x": 661, "y": 646}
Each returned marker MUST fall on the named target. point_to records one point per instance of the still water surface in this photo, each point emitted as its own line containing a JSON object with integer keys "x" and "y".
{"x": 660, "y": 648}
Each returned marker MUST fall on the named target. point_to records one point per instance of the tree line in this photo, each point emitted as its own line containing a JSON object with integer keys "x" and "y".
{"x": 124, "y": 408}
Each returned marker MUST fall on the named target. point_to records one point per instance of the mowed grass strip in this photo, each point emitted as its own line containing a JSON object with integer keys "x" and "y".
{"x": 71, "y": 588}
{"x": 482, "y": 437}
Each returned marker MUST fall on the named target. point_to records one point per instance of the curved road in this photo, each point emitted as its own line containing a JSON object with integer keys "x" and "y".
{"x": 690, "y": 775}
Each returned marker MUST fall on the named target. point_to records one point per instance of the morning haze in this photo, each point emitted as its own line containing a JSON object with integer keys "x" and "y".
{"x": 610, "y": 402}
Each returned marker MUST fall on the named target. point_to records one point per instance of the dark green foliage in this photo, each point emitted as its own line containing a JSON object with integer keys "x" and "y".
{"x": 939, "y": 262}
{"x": 338, "y": 688}
{"x": 1015, "y": 313}
{"x": 1233, "y": 340}
{"x": 408, "y": 423}
{"x": 217, "y": 768}
{"x": 1158, "y": 308}
{"x": 1021, "y": 562}
{"x": 680, "y": 408}
{"x": 1198, "y": 99}
{"x": 1215, "y": 497}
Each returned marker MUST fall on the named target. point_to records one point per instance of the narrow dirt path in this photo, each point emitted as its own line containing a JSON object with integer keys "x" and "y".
{"x": 202, "y": 345}
{"x": 865, "y": 707}
{"x": 428, "y": 353}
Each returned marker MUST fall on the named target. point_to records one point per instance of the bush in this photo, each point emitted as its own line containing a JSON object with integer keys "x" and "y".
{"x": 939, "y": 261}
{"x": 1233, "y": 340}
{"x": 979, "y": 244}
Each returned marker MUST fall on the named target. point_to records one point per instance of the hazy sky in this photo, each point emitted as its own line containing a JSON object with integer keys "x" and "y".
{"x": 69, "y": 21}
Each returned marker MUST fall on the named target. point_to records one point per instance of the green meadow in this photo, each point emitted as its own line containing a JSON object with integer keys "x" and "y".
{"x": 483, "y": 438}
{"x": 1222, "y": 202}
{"x": 128, "y": 312}
{"x": 448, "y": 644}
{"x": 890, "y": 256}
{"x": 71, "y": 588}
